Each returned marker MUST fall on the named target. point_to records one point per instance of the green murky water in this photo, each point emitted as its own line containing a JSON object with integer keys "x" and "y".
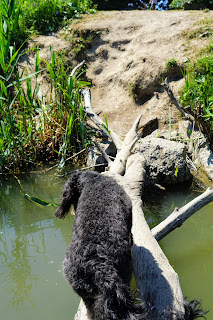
{"x": 32, "y": 247}
{"x": 190, "y": 247}
{"x": 33, "y": 242}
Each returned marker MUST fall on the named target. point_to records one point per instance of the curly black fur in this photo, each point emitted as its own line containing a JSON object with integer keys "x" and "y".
{"x": 98, "y": 261}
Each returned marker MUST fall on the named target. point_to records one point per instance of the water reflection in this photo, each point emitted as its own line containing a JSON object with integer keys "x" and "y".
{"x": 32, "y": 245}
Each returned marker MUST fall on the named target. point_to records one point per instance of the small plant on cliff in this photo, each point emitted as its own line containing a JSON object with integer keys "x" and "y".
{"x": 171, "y": 64}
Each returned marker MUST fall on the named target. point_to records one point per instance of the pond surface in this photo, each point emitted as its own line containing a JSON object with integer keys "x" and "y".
{"x": 188, "y": 248}
{"x": 33, "y": 243}
{"x": 32, "y": 247}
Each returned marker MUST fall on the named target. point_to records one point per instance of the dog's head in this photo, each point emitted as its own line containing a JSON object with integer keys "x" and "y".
{"x": 72, "y": 191}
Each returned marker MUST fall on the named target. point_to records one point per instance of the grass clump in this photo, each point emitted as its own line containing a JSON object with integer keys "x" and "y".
{"x": 132, "y": 90}
{"x": 80, "y": 41}
{"x": 172, "y": 70}
{"x": 200, "y": 33}
{"x": 198, "y": 91}
{"x": 171, "y": 64}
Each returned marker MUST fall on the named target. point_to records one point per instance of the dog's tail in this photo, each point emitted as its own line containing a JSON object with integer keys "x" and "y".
{"x": 193, "y": 310}
{"x": 115, "y": 300}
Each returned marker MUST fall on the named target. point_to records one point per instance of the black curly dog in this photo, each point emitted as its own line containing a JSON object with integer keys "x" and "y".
{"x": 98, "y": 261}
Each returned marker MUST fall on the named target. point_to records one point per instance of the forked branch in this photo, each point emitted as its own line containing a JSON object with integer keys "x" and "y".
{"x": 124, "y": 148}
{"x": 119, "y": 165}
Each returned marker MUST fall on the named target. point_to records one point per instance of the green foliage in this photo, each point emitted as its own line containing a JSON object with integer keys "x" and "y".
{"x": 132, "y": 90}
{"x": 9, "y": 16}
{"x": 68, "y": 104}
{"x": 191, "y": 4}
{"x": 172, "y": 63}
{"x": 198, "y": 92}
{"x": 106, "y": 126}
{"x": 30, "y": 129}
{"x": 110, "y": 4}
{"x": 177, "y": 4}
{"x": 48, "y": 15}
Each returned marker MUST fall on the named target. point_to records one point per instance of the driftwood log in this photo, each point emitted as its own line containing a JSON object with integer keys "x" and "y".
{"x": 156, "y": 281}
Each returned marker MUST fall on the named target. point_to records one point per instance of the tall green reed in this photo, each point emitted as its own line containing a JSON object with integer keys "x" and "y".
{"x": 66, "y": 97}
{"x": 35, "y": 130}
{"x": 9, "y": 15}
{"x": 32, "y": 129}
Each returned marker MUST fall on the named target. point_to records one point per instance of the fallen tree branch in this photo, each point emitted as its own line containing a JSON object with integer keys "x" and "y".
{"x": 119, "y": 165}
{"x": 124, "y": 148}
{"x": 101, "y": 125}
{"x": 157, "y": 282}
{"x": 176, "y": 103}
{"x": 106, "y": 157}
{"x": 178, "y": 216}
{"x": 131, "y": 135}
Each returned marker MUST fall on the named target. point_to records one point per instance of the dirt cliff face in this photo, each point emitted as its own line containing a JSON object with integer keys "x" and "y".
{"x": 136, "y": 50}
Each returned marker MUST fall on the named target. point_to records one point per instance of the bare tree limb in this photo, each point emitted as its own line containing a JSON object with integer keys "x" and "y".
{"x": 82, "y": 312}
{"x": 176, "y": 103}
{"x": 124, "y": 149}
{"x": 88, "y": 108}
{"x": 109, "y": 161}
{"x": 119, "y": 165}
{"x": 178, "y": 216}
{"x": 133, "y": 131}
{"x": 77, "y": 67}
{"x": 138, "y": 136}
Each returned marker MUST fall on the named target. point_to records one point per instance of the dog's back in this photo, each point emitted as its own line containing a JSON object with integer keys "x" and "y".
{"x": 98, "y": 261}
